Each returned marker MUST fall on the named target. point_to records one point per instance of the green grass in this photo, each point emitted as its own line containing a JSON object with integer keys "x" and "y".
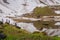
{"x": 44, "y": 24}
{"x": 14, "y": 33}
{"x": 45, "y": 11}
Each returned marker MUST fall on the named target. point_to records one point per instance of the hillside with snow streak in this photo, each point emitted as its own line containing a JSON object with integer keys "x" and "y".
{"x": 19, "y": 7}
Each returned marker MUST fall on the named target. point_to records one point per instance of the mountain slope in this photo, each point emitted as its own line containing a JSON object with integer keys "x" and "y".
{"x": 16, "y": 8}
{"x": 19, "y": 7}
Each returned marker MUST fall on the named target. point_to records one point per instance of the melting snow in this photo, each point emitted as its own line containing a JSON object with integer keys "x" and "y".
{"x": 58, "y": 23}
{"x": 57, "y": 12}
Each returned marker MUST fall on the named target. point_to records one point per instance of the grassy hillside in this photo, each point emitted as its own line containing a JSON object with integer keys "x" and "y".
{"x": 13, "y": 33}
{"x": 45, "y": 24}
{"x": 43, "y": 11}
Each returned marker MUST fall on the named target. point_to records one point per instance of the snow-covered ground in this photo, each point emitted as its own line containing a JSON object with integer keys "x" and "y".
{"x": 51, "y": 2}
{"x": 58, "y": 23}
{"x": 57, "y": 11}
{"x": 27, "y": 26}
{"x": 52, "y": 32}
{"x": 19, "y": 7}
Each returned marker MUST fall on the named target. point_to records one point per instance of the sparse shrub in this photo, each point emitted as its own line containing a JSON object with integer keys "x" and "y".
{"x": 2, "y": 36}
{"x": 1, "y": 23}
